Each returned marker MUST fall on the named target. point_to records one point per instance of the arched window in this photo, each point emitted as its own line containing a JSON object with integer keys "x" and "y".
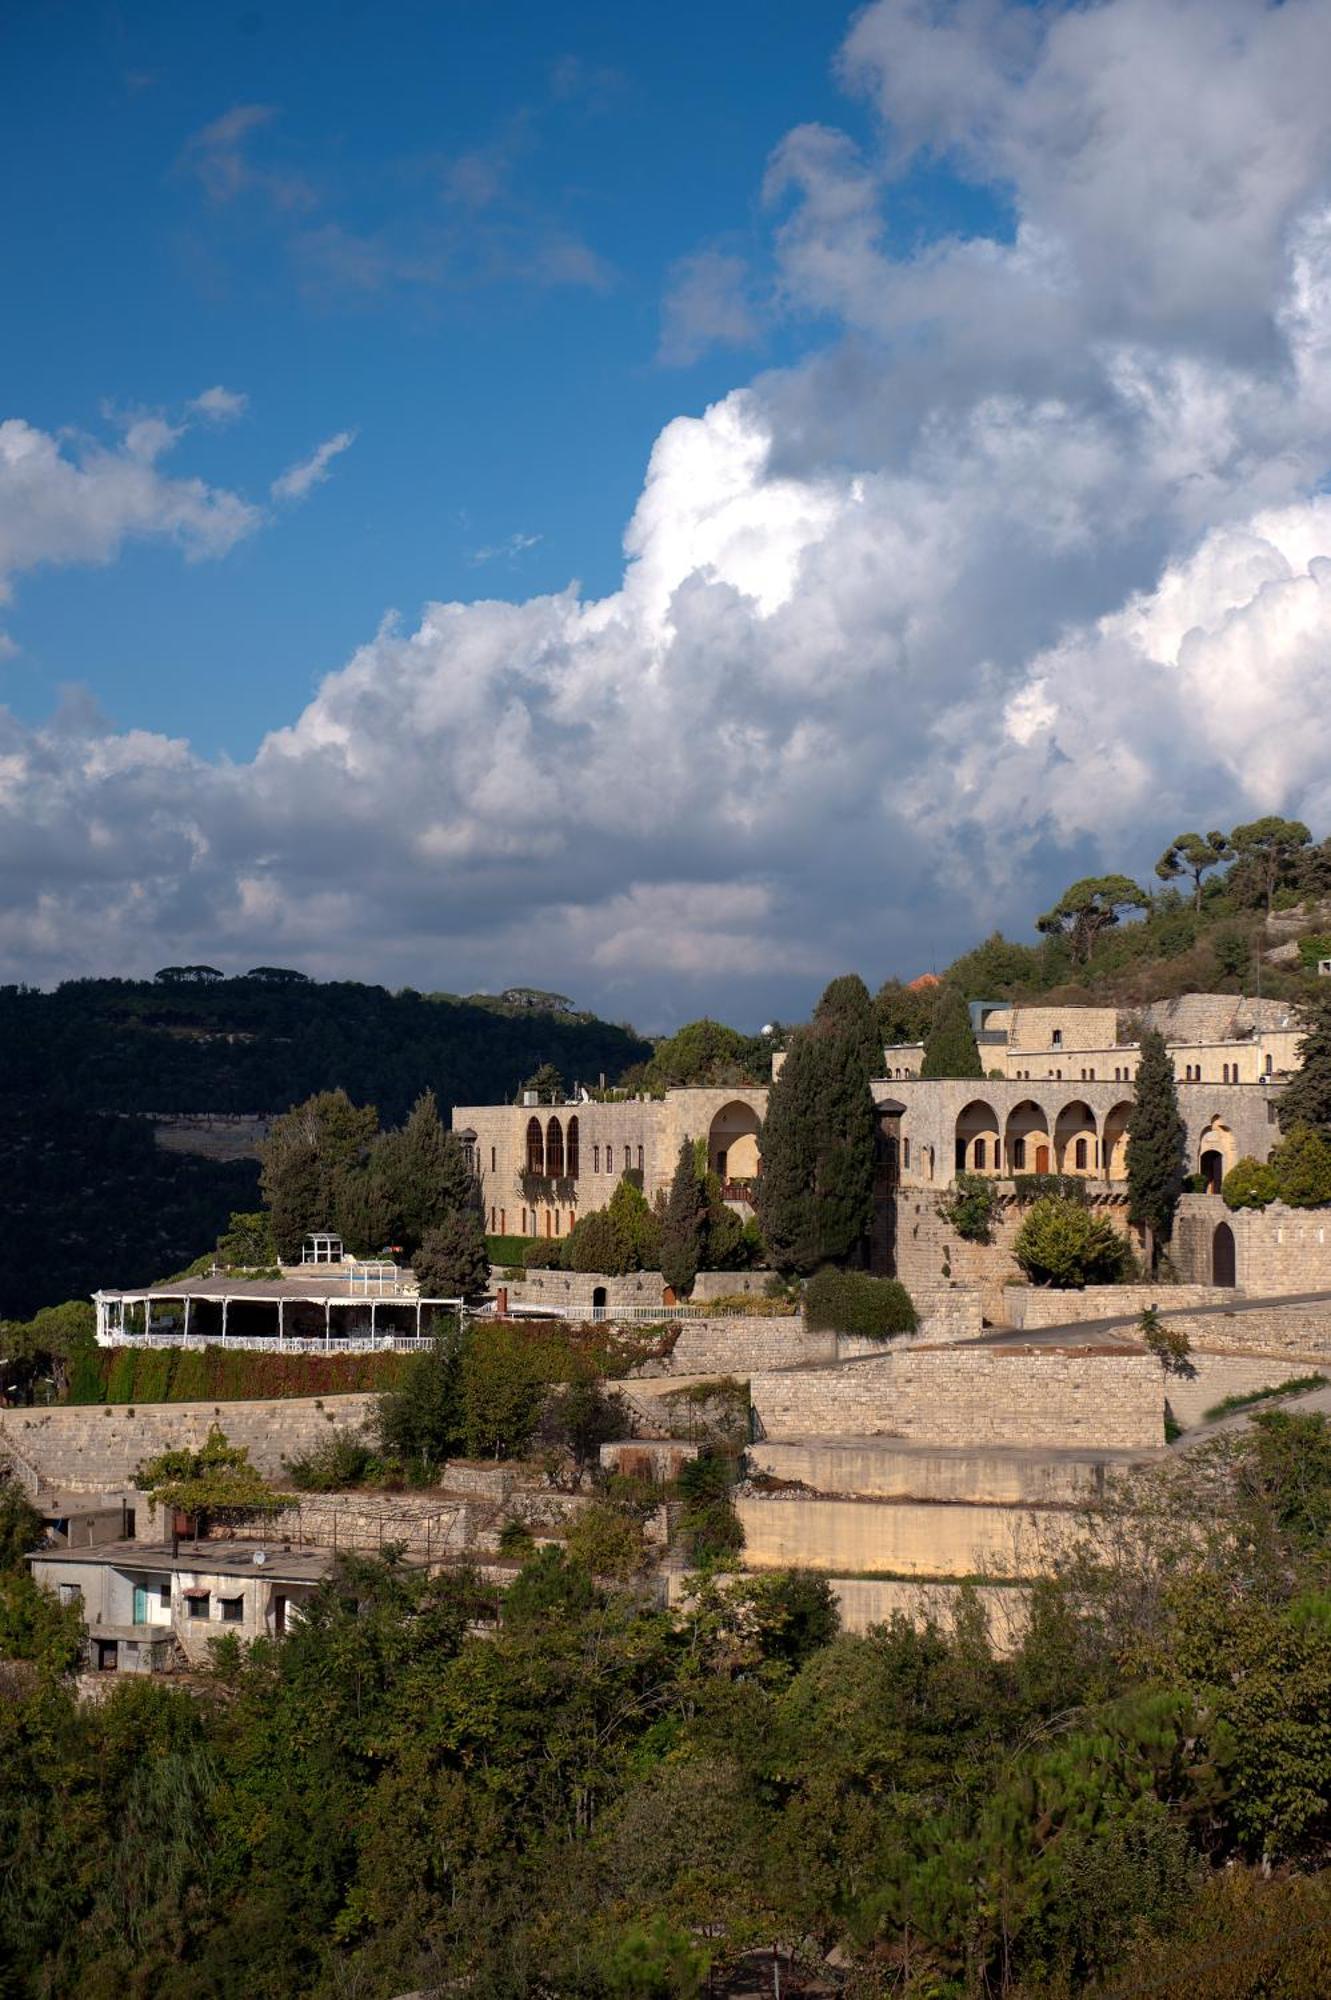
{"x": 640, "y": 1159}
{"x": 596, "y": 1159}
{"x": 572, "y": 1167}
{"x": 535, "y": 1147}
{"x": 1079, "y": 1152}
{"x": 628, "y": 1158}
{"x": 554, "y": 1150}
{"x": 981, "y": 1160}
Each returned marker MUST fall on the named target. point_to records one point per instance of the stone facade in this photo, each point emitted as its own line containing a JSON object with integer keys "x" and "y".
{"x": 542, "y": 1166}
{"x": 973, "y": 1396}
{"x": 1036, "y": 1305}
{"x": 1274, "y": 1250}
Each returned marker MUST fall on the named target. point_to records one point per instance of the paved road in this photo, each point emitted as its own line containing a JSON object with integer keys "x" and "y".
{"x": 1103, "y": 1332}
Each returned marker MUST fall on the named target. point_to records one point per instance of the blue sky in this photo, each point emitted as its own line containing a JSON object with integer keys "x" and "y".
{"x": 665, "y": 503}
{"x": 491, "y": 398}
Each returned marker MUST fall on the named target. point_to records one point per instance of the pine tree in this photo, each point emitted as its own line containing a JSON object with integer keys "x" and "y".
{"x": 949, "y": 1047}
{"x": 452, "y": 1262}
{"x": 1306, "y": 1099}
{"x": 1157, "y": 1145}
{"x": 684, "y": 1227}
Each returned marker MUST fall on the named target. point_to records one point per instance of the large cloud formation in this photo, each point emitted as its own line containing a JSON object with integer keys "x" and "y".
{"x": 1025, "y": 568}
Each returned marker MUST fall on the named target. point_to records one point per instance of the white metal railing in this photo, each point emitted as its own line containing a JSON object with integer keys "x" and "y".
{"x": 336, "y": 1343}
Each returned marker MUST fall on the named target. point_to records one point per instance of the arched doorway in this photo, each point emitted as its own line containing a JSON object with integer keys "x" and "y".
{"x": 598, "y": 1301}
{"x": 732, "y": 1142}
{"x": 1075, "y": 1141}
{"x": 977, "y": 1150}
{"x": 1224, "y": 1263}
{"x": 1028, "y": 1147}
{"x": 1215, "y": 1154}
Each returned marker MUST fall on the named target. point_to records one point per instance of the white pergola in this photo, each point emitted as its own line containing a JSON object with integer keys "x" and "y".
{"x": 175, "y": 1309}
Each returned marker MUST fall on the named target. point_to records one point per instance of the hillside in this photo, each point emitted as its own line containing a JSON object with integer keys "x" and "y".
{"x": 88, "y": 1197}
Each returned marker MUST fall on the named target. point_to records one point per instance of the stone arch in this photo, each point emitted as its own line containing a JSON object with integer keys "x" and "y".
{"x": 1028, "y": 1146}
{"x": 535, "y": 1147}
{"x": 732, "y": 1142}
{"x": 1216, "y": 1153}
{"x": 1114, "y": 1143}
{"x": 554, "y": 1150}
{"x": 977, "y": 1143}
{"x": 571, "y": 1150}
{"x": 598, "y": 1301}
{"x": 1076, "y": 1140}
{"x": 1224, "y": 1261}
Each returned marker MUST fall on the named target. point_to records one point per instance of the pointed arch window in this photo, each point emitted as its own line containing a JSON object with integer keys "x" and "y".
{"x": 554, "y": 1150}
{"x": 535, "y": 1147}
{"x": 571, "y": 1164}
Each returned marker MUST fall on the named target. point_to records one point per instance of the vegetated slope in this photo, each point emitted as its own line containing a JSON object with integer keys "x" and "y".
{"x": 89, "y": 1199}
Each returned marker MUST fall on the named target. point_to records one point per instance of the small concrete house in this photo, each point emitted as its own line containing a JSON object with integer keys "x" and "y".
{"x": 143, "y": 1606}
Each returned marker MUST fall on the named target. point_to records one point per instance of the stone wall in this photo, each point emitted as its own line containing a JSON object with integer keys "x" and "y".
{"x": 865, "y": 1602}
{"x": 95, "y": 1447}
{"x": 901, "y": 1537}
{"x": 973, "y": 1396}
{"x": 1221, "y": 1375}
{"x": 738, "y": 1346}
{"x": 931, "y": 1258}
{"x": 1036, "y": 1305}
{"x": 1298, "y": 1330}
{"x": 1276, "y": 1249}
{"x": 892, "y": 1469}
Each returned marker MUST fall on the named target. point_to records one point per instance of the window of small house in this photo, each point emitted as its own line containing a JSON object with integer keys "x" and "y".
{"x": 71, "y": 1593}
{"x": 198, "y": 1604}
{"x": 231, "y": 1610}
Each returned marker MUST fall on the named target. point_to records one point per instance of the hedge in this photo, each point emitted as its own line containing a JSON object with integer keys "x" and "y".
{"x": 853, "y": 1302}
{"x": 507, "y": 1249}
{"x": 227, "y": 1375}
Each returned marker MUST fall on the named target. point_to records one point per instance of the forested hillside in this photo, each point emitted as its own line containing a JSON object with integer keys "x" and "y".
{"x": 88, "y": 1198}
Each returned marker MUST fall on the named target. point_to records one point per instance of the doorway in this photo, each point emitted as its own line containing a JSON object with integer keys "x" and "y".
{"x": 1223, "y": 1259}
{"x": 1213, "y": 1173}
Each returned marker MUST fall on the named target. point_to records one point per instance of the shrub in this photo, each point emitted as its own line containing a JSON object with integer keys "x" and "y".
{"x": 516, "y": 1539}
{"x": 1250, "y": 1184}
{"x": 543, "y": 1255}
{"x": 971, "y": 1207}
{"x": 87, "y": 1379}
{"x": 853, "y": 1302}
{"x": 609, "y": 1543}
{"x": 340, "y": 1460}
{"x": 710, "y": 1529}
{"x": 503, "y": 1380}
{"x": 751, "y": 1305}
{"x": 1064, "y": 1243}
{"x": 580, "y": 1417}
{"x": 1301, "y": 1164}
{"x": 1037, "y": 1187}
{"x": 595, "y": 1244}
{"x": 189, "y": 1377}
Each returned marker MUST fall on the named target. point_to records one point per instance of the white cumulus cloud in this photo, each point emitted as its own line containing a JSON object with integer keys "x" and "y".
{"x": 1024, "y": 566}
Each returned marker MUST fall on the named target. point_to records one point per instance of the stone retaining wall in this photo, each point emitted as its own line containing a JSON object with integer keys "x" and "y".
{"x": 1038, "y": 1305}
{"x": 1221, "y": 1375}
{"x": 891, "y": 1469}
{"x": 865, "y": 1602}
{"x": 929, "y": 1253}
{"x": 973, "y": 1396}
{"x": 95, "y": 1447}
{"x": 1276, "y": 1249}
{"x": 1301, "y": 1331}
{"x": 907, "y": 1537}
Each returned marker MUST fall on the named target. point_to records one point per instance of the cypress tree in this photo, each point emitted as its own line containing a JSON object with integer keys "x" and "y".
{"x": 815, "y": 1194}
{"x": 685, "y": 1223}
{"x": 949, "y": 1047}
{"x": 419, "y": 1174}
{"x": 1307, "y": 1098}
{"x": 1157, "y": 1145}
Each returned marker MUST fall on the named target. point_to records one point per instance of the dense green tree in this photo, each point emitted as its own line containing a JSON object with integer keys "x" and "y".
{"x": 708, "y": 1052}
{"x": 1301, "y": 1168}
{"x": 503, "y": 1386}
{"x": 814, "y": 1196}
{"x": 1250, "y": 1183}
{"x": 420, "y": 1176}
{"x": 1157, "y": 1146}
{"x": 303, "y": 1158}
{"x": 684, "y": 1224}
{"x": 46, "y": 1348}
{"x": 1268, "y": 852}
{"x": 949, "y": 1047}
{"x": 1306, "y": 1098}
{"x": 579, "y": 1417}
{"x": 421, "y": 1421}
{"x": 638, "y": 1228}
{"x": 1089, "y": 908}
{"x": 1193, "y": 854}
{"x": 247, "y": 1243}
{"x": 453, "y": 1261}
{"x": 902, "y": 1013}
{"x": 595, "y": 1243}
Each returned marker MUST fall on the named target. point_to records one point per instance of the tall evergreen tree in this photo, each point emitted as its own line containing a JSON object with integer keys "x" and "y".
{"x": 815, "y": 1193}
{"x": 684, "y": 1225}
{"x": 949, "y": 1047}
{"x": 419, "y": 1174}
{"x": 304, "y": 1161}
{"x": 1157, "y": 1145}
{"x": 1307, "y": 1097}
